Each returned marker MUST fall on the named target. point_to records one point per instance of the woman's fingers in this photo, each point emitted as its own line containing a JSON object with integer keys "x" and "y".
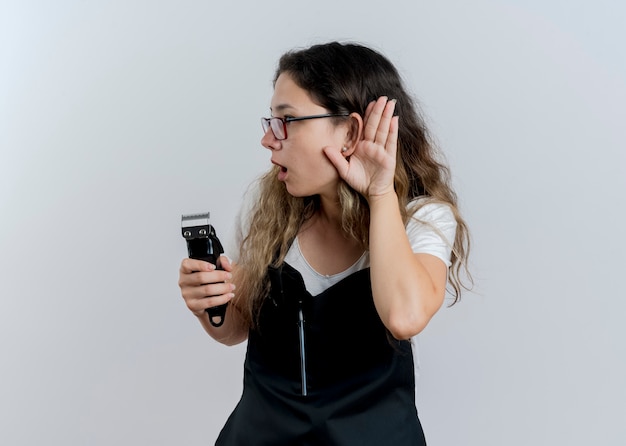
{"x": 392, "y": 139}
{"x": 382, "y": 132}
{"x": 200, "y": 297}
{"x": 368, "y": 111}
{"x": 213, "y": 289}
{"x": 197, "y": 306}
{"x": 188, "y": 266}
{"x": 378, "y": 117}
{"x": 198, "y": 278}
{"x": 373, "y": 119}
{"x": 226, "y": 263}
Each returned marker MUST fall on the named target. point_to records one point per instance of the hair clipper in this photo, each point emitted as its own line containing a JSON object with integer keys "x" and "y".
{"x": 203, "y": 244}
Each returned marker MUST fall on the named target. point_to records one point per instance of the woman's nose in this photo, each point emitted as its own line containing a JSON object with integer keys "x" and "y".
{"x": 269, "y": 141}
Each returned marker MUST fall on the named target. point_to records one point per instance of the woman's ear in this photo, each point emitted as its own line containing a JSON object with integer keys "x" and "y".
{"x": 354, "y": 134}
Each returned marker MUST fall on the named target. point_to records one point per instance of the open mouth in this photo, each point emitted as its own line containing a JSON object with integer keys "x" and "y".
{"x": 282, "y": 171}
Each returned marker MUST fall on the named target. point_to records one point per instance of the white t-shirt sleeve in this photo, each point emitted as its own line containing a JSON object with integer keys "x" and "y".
{"x": 431, "y": 230}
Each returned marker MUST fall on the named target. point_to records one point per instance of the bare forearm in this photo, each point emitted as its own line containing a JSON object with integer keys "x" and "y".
{"x": 405, "y": 292}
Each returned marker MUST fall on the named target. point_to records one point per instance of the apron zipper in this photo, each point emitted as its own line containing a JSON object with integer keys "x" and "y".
{"x": 302, "y": 350}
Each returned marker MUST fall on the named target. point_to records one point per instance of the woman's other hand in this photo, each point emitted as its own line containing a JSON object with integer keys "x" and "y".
{"x": 369, "y": 166}
{"x": 203, "y": 286}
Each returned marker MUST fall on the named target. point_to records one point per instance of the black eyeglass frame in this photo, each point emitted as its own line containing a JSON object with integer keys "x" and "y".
{"x": 266, "y": 123}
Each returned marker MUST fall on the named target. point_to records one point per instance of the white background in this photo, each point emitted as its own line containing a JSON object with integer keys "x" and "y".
{"x": 118, "y": 116}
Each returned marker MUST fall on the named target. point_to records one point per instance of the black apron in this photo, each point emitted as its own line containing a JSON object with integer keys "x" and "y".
{"x": 322, "y": 370}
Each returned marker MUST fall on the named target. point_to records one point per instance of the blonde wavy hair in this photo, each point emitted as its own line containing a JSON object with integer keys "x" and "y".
{"x": 344, "y": 78}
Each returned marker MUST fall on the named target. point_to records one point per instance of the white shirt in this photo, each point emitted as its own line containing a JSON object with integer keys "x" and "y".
{"x": 431, "y": 230}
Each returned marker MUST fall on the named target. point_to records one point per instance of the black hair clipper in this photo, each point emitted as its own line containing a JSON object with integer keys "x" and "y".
{"x": 203, "y": 244}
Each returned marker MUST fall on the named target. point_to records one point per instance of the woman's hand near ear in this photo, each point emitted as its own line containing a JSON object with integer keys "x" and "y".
{"x": 369, "y": 164}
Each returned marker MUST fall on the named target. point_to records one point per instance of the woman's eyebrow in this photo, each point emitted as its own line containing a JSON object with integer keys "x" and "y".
{"x": 281, "y": 108}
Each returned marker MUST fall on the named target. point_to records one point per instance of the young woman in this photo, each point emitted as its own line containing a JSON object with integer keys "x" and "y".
{"x": 344, "y": 256}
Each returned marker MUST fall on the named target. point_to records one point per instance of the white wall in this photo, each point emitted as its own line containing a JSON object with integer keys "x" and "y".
{"x": 118, "y": 116}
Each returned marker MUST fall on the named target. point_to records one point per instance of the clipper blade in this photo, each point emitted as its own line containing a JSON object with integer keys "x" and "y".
{"x": 195, "y": 225}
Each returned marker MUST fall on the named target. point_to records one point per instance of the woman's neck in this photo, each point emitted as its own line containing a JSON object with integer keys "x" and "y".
{"x": 323, "y": 242}
{"x": 329, "y": 213}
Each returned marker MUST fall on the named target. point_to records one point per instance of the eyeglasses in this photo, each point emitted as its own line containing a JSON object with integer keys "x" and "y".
{"x": 279, "y": 125}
